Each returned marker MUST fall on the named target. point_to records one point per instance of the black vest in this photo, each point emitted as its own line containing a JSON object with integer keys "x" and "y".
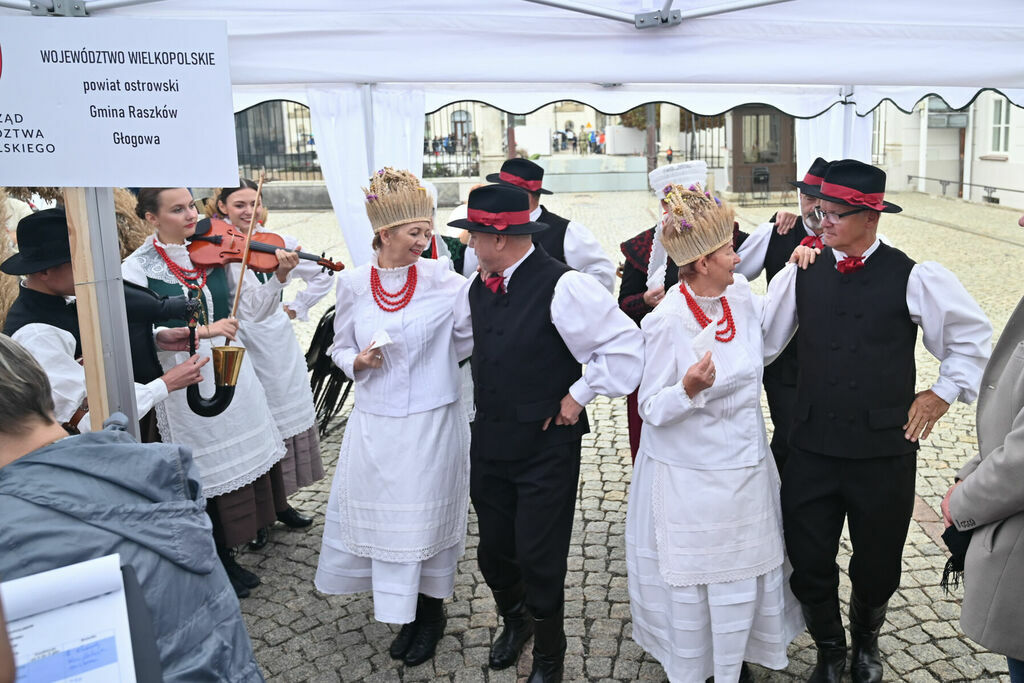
{"x": 36, "y": 307}
{"x": 857, "y": 338}
{"x": 521, "y": 366}
{"x": 552, "y": 239}
{"x": 780, "y": 247}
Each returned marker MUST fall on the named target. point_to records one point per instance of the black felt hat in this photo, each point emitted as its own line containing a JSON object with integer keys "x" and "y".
{"x": 500, "y": 210}
{"x": 42, "y": 243}
{"x": 521, "y": 173}
{"x": 812, "y": 179}
{"x": 854, "y": 183}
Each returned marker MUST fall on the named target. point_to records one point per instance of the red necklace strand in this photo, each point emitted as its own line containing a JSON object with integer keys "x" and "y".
{"x": 393, "y": 301}
{"x": 725, "y": 334}
{"x": 192, "y": 278}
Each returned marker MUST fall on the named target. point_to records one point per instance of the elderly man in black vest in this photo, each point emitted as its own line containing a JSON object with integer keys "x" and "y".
{"x": 534, "y": 320}
{"x": 768, "y": 248}
{"x": 858, "y": 420}
{"x": 564, "y": 240}
{"x": 44, "y": 319}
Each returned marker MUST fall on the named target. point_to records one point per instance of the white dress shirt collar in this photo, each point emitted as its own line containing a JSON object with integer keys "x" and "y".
{"x": 507, "y": 273}
{"x": 840, "y": 255}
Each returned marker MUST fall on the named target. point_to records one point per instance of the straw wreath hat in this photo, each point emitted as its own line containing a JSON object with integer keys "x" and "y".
{"x": 396, "y": 197}
{"x": 695, "y": 223}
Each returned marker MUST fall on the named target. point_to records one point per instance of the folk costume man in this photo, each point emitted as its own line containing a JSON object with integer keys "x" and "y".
{"x": 534, "y": 321}
{"x": 769, "y": 249}
{"x": 44, "y": 319}
{"x": 565, "y": 240}
{"x": 858, "y": 421}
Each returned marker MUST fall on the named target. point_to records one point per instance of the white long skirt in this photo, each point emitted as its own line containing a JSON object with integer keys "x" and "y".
{"x": 702, "y": 630}
{"x": 396, "y": 518}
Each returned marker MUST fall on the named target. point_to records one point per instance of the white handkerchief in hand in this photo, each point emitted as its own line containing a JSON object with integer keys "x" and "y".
{"x": 380, "y": 339}
{"x": 704, "y": 340}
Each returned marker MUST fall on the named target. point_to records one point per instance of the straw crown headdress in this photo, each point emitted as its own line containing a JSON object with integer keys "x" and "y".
{"x": 695, "y": 224}
{"x": 395, "y": 197}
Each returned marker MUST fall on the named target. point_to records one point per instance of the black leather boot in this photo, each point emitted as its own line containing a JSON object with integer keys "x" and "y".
{"x": 294, "y": 519}
{"x": 865, "y": 624}
{"x": 746, "y": 676}
{"x": 241, "y": 579}
{"x": 400, "y": 645}
{"x": 261, "y": 540}
{"x": 548, "y": 649}
{"x": 518, "y": 627}
{"x": 826, "y": 628}
{"x": 430, "y": 623}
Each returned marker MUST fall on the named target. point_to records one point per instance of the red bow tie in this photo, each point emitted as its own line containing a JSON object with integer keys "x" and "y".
{"x": 495, "y": 282}
{"x": 812, "y": 241}
{"x": 850, "y": 264}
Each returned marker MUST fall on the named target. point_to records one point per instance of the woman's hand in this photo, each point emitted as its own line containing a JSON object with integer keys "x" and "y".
{"x": 699, "y": 376}
{"x": 286, "y": 262}
{"x": 225, "y": 327}
{"x": 653, "y": 296}
{"x": 368, "y": 358}
{"x": 804, "y": 256}
{"x": 289, "y": 312}
{"x": 784, "y": 222}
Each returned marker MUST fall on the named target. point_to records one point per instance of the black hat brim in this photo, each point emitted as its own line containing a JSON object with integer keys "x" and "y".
{"x": 888, "y": 207}
{"x": 806, "y": 188}
{"x": 496, "y": 178}
{"x": 521, "y": 229}
{"x": 19, "y": 265}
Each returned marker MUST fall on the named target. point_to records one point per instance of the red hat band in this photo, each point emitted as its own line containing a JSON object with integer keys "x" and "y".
{"x": 499, "y": 221}
{"x": 870, "y": 200}
{"x": 531, "y": 185}
{"x": 811, "y": 179}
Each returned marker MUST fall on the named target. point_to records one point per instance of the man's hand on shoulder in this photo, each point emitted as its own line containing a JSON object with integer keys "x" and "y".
{"x": 924, "y": 412}
{"x": 784, "y": 222}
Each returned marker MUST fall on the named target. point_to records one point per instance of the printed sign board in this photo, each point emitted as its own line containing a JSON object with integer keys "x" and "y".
{"x": 97, "y": 102}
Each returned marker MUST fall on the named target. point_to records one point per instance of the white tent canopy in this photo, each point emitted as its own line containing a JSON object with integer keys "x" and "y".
{"x": 369, "y": 70}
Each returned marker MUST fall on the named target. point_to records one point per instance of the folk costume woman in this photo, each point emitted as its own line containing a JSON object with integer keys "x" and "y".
{"x": 396, "y": 520}
{"x": 235, "y": 450}
{"x": 704, "y": 545}
{"x": 279, "y": 362}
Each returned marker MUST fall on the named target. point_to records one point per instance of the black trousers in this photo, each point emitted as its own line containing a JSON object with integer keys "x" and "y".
{"x": 781, "y": 405}
{"x": 876, "y": 498}
{"x": 525, "y": 509}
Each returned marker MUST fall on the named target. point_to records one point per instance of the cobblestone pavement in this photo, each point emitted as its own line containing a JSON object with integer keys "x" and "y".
{"x": 301, "y": 635}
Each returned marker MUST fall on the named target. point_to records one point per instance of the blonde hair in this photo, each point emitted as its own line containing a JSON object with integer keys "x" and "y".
{"x": 395, "y": 197}
{"x": 25, "y": 394}
{"x": 696, "y": 223}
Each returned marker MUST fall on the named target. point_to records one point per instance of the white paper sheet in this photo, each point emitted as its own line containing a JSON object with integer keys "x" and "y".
{"x": 70, "y": 624}
{"x": 704, "y": 340}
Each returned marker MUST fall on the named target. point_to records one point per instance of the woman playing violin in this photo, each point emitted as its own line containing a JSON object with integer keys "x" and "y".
{"x": 396, "y": 519}
{"x": 235, "y": 450}
{"x": 279, "y": 362}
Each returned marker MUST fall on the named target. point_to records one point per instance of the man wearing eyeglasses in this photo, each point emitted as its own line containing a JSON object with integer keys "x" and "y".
{"x": 857, "y": 421}
{"x": 768, "y": 248}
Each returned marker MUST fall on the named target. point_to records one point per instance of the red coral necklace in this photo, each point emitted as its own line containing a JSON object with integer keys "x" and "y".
{"x": 192, "y": 278}
{"x": 725, "y": 334}
{"x": 393, "y": 301}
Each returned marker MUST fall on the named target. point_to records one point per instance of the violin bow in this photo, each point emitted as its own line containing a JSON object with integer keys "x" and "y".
{"x": 245, "y": 253}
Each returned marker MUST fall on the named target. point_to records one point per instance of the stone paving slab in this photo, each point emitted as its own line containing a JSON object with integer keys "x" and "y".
{"x": 301, "y": 635}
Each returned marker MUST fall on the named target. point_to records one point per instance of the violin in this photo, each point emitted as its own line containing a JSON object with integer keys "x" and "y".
{"x": 217, "y": 243}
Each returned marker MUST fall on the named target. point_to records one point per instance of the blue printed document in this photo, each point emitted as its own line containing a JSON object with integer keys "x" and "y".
{"x": 70, "y": 624}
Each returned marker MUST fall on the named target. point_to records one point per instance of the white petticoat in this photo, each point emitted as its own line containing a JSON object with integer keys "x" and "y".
{"x": 704, "y": 629}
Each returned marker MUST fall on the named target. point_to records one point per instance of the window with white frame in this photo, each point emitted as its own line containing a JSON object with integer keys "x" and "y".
{"x": 1000, "y": 125}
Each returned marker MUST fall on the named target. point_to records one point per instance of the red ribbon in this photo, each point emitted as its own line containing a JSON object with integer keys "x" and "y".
{"x": 495, "y": 282}
{"x": 850, "y": 264}
{"x": 500, "y": 220}
{"x": 812, "y": 241}
{"x": 531, "y": 185}
{"x": 872, "y": 200}
{"x": 811, "y": 179}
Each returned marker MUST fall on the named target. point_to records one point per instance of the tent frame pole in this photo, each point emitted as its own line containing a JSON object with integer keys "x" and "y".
{"x": 666, "y": 16}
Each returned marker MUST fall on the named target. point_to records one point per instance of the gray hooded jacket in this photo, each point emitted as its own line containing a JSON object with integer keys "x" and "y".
{"x": 99, "y": 493}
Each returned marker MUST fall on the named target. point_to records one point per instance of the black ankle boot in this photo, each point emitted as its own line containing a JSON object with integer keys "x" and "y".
{"x": 430, "y": 623}
{"x": 400, "y": 645}
{"x": 241, "y": 579}
{"x": 517, "y": 629}
{"x": 548, "y": 649}
{"x": 826, "y": 628}
{"x": 293, "y": 519}
{"x": 261, "y": 540}
{"x": 745, "y": 674}
{"x": 865, "y": 624}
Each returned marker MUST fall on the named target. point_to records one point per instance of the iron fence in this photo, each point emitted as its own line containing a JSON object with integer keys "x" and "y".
{"x": 276, "y": 136}
{"x": 451, "y": 143}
